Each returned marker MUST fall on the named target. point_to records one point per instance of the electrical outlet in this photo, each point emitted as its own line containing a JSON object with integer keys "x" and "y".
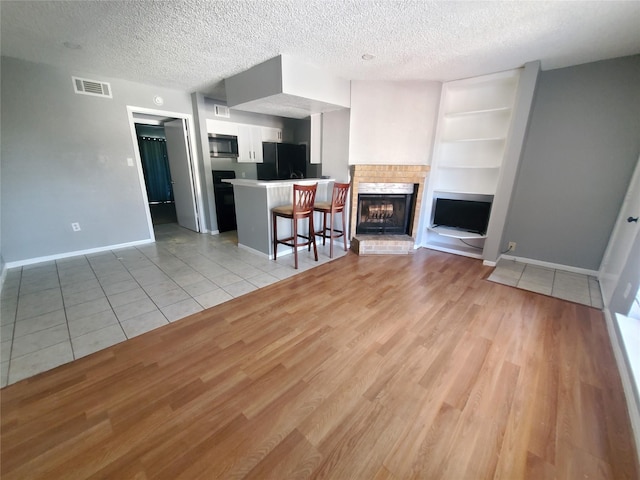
{"x": 75, "y": 227}
{"x": 512, "y": 246}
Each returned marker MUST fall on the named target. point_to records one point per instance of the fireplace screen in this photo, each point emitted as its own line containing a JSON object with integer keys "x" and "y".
{"x": 385, "y": 210}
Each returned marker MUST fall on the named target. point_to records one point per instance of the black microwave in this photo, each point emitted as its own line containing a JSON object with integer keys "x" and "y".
{"x": 225, "y": 146}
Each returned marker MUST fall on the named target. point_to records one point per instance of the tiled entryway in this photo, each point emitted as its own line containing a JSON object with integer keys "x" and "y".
{"x": 574, "y": 287}
{"x": 58, "y": 311}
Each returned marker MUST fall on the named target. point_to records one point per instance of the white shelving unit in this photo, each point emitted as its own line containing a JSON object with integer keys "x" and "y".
{"x": 473, "y": 129}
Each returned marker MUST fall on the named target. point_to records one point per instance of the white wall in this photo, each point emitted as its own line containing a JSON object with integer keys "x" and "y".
{"x": 307, "y": 81}
{"x": 335, "y": 144}
{"x": 283, "y": 79}
{"x": 393, "y": 123}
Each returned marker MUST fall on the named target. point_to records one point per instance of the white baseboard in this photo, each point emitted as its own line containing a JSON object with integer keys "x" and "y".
{"x": 625, "y": 375}
{"x": 59, "y": 256}
{"x": 555, "y": 266}
{"x": 489, "y": 263}
{"x": 254, "y": 251}
{"x": 283, "y": 251}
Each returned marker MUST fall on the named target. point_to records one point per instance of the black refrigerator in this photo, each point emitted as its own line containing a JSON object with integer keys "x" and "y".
{"x": 281, "y": 161}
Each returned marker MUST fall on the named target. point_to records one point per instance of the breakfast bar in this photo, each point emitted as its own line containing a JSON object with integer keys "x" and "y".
{"x": 254, "y": 200}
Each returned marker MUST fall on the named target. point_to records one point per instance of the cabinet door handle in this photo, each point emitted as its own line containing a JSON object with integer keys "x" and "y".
{"x": 632, "y": 219}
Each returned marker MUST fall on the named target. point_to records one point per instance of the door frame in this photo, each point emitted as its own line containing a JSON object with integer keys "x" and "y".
{"x": 620, "y": 242}
{"x": 193, "y": 161}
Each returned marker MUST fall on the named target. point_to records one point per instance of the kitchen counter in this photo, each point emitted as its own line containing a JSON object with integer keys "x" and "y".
{"x": 254, "y": 200}
{"x": 245, "y": 182}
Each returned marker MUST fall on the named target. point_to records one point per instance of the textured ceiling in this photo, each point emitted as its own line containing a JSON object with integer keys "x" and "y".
{"x": 193, "y": 45}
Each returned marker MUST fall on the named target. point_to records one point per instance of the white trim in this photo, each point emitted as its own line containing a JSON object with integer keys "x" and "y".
{"x": 194, "y": 161}
{"x": 3, "y": 276}
{"x": 620, "y": 243}
{"x": 253, "y": 250}
{"x": 143, "y": 188}
{"x": 489, "y": 263}
{"x": 48, "y": 258}
{"x": 147, "y": 121}
{"x": 282, "y": 252}
{"x": 625, "y": 376}
{"x": 556, "y": 266}
{"x": 195, "y": 170}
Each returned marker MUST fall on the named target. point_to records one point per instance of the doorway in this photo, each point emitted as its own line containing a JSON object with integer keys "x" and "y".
{"x": 169, "y": 182}
{"x": 152, "y": 145}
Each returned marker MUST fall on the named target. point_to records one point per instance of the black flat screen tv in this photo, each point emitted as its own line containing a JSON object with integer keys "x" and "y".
{"x": 467, "y": 215}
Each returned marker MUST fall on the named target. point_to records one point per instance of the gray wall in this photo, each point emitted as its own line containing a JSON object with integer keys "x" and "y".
{"x": 64, "y": 160}
{"x": 581, "y": 148}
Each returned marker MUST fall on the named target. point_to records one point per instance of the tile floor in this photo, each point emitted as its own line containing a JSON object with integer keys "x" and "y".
{"x": 574, "y": 287}
{"x": 58, "y": 311}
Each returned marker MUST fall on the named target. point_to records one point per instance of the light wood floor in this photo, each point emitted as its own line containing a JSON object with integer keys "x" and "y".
{"x": 387, "y": 367}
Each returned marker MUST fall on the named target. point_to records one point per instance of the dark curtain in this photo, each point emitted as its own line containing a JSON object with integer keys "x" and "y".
{"x": 155, "y": 164}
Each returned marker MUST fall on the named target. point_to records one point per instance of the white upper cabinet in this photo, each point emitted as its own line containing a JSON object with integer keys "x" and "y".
{"x": 270, "y": 134}
{"x": 222, "y": 128}
{"x": 249, "y": 144}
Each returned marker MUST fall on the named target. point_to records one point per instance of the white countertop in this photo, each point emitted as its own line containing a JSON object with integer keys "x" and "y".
{"x": 246, "y": 182}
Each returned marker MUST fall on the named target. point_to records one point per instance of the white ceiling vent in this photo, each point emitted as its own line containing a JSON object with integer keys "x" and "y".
{"x": 221, "y": 111}
{"x": 85, "y": 86}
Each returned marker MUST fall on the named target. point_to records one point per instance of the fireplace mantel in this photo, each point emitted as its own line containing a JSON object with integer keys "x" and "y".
{"x": 414, "y": 174}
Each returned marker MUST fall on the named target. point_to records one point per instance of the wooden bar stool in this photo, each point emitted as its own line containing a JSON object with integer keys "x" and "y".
{"x": 338, "y": 201}
{"x": 304, "y": 197}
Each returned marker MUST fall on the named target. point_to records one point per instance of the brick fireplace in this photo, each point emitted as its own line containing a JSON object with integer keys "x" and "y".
{"x": 383, "y": 176}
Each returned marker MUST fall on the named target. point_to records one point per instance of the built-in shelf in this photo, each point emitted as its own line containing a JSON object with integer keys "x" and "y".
{"x": 443, "y": 192}
{"x": 459, "y": 248}
{"x": 476, "y": 139}
{"x": 477, "y": 112}
{"x": 453, "y": 233}
{"x": 473, "y": 127}
{"x": 483, "y": 167}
